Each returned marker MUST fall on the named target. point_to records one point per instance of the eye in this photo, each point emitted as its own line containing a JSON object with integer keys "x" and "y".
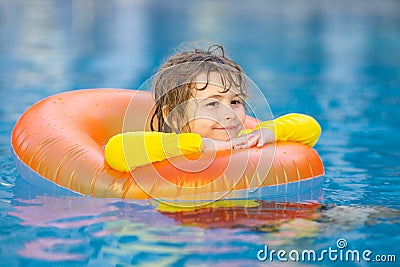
{"x": 236, "y": 102}
{"x": 212, "y": 104}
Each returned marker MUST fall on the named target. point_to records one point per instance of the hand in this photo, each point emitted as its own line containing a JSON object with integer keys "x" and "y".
{"x": 257, "y": 138}
{"x": 215, "y": 145}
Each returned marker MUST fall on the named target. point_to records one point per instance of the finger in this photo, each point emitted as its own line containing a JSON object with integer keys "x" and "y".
{"x": 240, "y": 147}
{"x": 240, "y": 140}
{"x": 255, "y": 139}
{"x": 266, "y": 139}
{"x": 248, "y": 144}
{"x": 260, "y": 143}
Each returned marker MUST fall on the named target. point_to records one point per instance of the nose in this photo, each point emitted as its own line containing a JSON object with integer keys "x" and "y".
{"x": 227, "y": 113}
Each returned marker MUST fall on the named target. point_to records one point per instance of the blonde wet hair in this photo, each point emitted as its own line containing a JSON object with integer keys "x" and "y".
{"x": 175, "y": 82}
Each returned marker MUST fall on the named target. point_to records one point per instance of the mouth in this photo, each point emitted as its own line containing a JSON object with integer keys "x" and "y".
{"x": 227, "y": 129}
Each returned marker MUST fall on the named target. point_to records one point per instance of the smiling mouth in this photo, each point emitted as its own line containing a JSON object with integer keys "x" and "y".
{"x": 228, "y": 129}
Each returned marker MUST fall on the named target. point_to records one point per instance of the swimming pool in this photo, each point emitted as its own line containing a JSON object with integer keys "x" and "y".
{"x": 337, "y": 61}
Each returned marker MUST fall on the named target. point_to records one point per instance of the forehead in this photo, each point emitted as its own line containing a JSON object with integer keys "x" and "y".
{"x": 216, "y": 84}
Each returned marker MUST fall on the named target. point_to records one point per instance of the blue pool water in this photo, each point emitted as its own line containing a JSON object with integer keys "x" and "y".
{"x": 338, "y": 61}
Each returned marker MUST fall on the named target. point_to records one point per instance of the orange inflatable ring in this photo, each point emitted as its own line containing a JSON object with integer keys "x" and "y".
{"x": 61, "y": 139}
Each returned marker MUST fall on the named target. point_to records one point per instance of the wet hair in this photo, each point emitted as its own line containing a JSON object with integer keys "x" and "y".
{"x": 174, "y": 84}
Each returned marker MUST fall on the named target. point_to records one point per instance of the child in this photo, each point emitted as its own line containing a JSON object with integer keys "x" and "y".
{"x": 200, "y": 106}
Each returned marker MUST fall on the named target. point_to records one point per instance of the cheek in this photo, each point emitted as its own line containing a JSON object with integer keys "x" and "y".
{"x": 203, "y": 113}
{"x": 200, "y": 126}
{"x": 241, "y": 113}
{"x": 203, "y": 124}
{"x": 205, "y": 117}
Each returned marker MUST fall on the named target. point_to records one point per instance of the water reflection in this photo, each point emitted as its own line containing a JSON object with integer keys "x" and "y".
{"x": 93, "y": 230}
{"x": 52, "y": 249}
{"x": 63, "y": 213}
{"x": 136, "y": 227}
{"x": 64, "y": 227}
{"x": 286, "y": 220}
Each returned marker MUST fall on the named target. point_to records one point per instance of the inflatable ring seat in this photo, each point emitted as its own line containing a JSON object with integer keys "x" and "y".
{"x": 61, "y": 139}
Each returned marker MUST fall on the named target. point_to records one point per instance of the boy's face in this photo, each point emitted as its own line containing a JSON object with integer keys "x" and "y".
{"x": 215, "y": 115}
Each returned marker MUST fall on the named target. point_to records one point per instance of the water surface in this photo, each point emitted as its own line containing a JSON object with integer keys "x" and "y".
{"x": 335, "y": 60}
